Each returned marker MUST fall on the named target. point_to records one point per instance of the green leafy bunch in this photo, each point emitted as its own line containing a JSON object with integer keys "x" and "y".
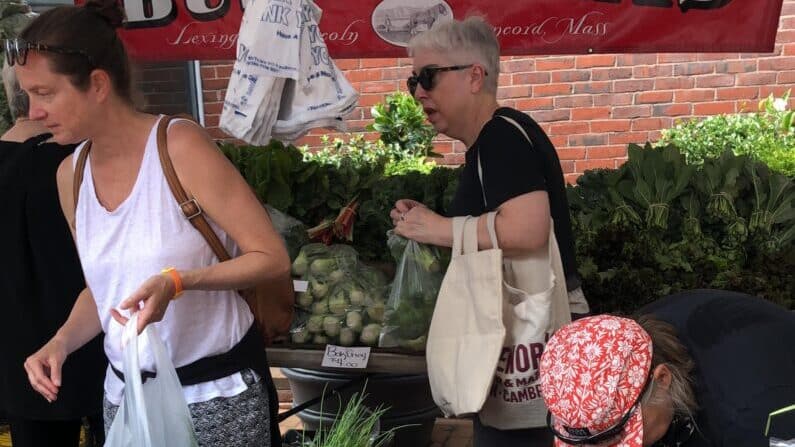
{"x": 401, "y": 122}
{"x": 766, "y": 135}
{"x": 657, "y": 225}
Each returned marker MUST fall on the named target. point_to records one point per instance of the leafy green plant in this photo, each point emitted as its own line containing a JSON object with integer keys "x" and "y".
{"x": 356, "y": 426}
{"x": 730, "y": 225}
{"x": 360, "y": 150}
{"x": 767, "y": 135}
{"x": 356, "y": 148}
{"x": 313, "y": 187}
{"x": 401, "y": 123}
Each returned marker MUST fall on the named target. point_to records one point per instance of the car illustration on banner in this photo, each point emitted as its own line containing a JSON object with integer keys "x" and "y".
{"x": 397, "y": 21}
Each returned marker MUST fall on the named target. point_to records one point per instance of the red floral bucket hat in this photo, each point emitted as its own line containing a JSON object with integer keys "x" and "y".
{"x": 593, "y": 374}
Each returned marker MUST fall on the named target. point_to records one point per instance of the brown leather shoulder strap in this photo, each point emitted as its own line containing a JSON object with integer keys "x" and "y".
{"x": 80, "y": 168}
{"x": 189, "y": 205}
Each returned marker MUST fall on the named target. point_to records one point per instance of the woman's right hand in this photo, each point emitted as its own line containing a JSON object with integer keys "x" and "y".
{"x": 402, "y": 207}
{"x": 44, "y": 369}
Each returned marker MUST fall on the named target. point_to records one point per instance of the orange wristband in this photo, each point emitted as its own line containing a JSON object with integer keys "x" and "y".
{"x": 172, "y": 273}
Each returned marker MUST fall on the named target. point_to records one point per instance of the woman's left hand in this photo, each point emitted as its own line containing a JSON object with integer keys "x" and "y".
{"x": 155, "y": 294}
{"x": 423, "y": 225}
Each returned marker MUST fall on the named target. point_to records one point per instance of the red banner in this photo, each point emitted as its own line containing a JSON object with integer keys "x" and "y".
{"x": 207, "y": 29}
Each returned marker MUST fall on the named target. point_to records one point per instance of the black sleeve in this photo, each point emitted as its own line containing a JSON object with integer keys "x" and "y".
{"x": 511, "y": 165}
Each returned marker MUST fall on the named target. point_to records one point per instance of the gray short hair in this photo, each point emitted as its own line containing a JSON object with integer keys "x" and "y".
{"x": 472, "y": 36}
{"x": 668, "y": 349}
{"x": 17, "y": 99}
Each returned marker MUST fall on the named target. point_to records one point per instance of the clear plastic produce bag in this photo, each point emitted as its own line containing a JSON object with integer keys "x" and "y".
{"x": 155, "y": 413}
{"x": 344, "y": 302}
{"x": 412, "y": 296}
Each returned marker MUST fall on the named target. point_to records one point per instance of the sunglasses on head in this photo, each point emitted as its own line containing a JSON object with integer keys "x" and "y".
{"x": 17, "y": 51}
{"x": 604, "y": 435}
{"x": 427, "y": 75}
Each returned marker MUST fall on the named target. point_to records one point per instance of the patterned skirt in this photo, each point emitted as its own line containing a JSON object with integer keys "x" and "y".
{"x": 237, "y": 421}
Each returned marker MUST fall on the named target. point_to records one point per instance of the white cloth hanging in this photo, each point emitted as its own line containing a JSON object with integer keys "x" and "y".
{"x": 284, "y": 83}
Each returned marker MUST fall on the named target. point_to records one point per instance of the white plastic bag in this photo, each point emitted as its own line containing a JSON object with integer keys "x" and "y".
{"x": 155, "y": 413}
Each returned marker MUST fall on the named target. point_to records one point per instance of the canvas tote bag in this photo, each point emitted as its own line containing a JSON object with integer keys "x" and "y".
{"x": 535, "y": 305}
{"x": 466, "y": 333}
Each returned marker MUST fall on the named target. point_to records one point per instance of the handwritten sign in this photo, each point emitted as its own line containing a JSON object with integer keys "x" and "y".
{"x": 342, "y": 357}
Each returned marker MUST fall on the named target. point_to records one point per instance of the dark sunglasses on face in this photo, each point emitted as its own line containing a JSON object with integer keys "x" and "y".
{"x": 604, "y": 435}
{"x": 17, "y": 51}
{"x": 427, "y": 75}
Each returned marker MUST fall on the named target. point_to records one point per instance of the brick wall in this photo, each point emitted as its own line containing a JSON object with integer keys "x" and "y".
{"x": 591, "y": 106}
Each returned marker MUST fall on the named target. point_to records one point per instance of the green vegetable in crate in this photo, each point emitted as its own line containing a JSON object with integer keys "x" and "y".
{"x": 315, "y": 324}
{"x": 332, "y": 326}
{"x": 336, "y": 276}
{"x": 318, "y": 288}
{"x": 375, "y": 310}
{"x": 323, "y": 267}
{"x": 305, "y": 300}
{"x": 353, "y": 320}
{"x": 347, "y": 336}
{"x": 370, "y": 334}
{"x": 320, "y": 339}
{"x": 338, "y": 304}
{"x": 306, "y": 256}
{"x": 320, "y": 307}
{"x": 356, "y": 296}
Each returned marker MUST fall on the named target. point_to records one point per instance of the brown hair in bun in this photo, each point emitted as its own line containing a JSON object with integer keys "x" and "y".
{"x": 91, "y": 30}
{"x": 110, "y": 10}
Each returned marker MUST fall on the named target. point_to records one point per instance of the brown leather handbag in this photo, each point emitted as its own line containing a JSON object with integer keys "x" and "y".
{"x": 270, "y": 301}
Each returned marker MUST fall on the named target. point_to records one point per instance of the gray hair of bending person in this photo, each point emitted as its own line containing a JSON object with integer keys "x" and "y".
{"x": 17, "y": 99}
{"x": 668, "y": 350}
{"x": 464, "y": 40}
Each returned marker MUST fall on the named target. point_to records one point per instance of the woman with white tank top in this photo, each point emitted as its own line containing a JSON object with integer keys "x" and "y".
{"x": 138, "y": 251}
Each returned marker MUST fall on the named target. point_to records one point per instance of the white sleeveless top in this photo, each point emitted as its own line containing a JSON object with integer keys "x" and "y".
{"x": 122, "y": 248}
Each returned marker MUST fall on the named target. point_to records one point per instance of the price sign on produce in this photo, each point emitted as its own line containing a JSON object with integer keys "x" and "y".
{"x": 344, "y": 357}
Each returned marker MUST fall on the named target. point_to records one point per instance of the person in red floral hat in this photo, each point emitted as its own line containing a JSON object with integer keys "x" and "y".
{"x": 696, "y": 369}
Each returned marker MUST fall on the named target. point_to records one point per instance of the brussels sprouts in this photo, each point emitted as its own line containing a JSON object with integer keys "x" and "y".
{"x": 370, "y": 334}
{"x": 336, "y": 276}
{"x": 300, "y": 265}
{"x": 317, "y": 288}
{"x": 332, "y": 326}
{"x": 354, "y": 320}
{"x": 347, "y": 337}
{"x": 376, "y": 310}
{"x": 322, "y": 267}
{"x": 305, "y": 300}
{"x": 320, "y": 308}
{"x": 356, "y": 296}
{"x": 338, "y": 304}
{"x": 315, "y": 324}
